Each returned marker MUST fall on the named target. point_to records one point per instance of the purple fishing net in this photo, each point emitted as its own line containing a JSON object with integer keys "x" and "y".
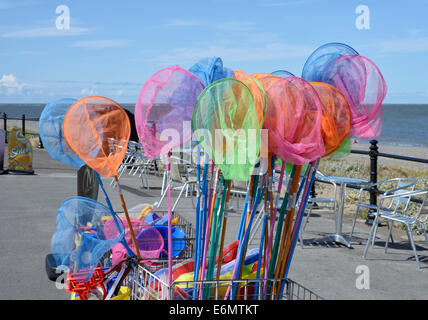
{"x": 320, "y": 59}
{"x": 164, "y": 106}
{"x": 364, "y": 87}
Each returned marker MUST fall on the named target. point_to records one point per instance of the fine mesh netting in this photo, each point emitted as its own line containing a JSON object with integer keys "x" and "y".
{"x": 80, "y": 241}
{"x": 282, "y": 73}
{"x": 149, "y": 240}
{"x": 257, "y": 91}
{"x": 293, "y": 118}
{"x": 336, "y": 116}
{"x": 363, "y": 86}
{"x": 51, "y": 133}
{"x": 98, "y": 130}
{"x": 266, "y": 79}
{"x": 163, "y": 112}
{"x": 226, "y": 124}
{"x": 318, "y": 62}
{"x": 210, "y": 69}
{"x": 343, "y": 150}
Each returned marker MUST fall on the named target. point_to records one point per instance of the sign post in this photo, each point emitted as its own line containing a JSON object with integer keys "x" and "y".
{"x": 20, "y": 157}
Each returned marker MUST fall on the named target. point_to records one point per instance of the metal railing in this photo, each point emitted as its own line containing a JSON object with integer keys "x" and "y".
{"x": 23, "y": 119}
{"x": 374, "y": 154}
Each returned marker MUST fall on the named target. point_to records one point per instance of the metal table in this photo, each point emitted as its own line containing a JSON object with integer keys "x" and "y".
{"x": 342, "y": 182}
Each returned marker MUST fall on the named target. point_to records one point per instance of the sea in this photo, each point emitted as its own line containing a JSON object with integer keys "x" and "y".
{"x": 403, "y": 124}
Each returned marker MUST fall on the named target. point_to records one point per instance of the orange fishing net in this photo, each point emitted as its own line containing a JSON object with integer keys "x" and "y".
{"x": 266, "y": 79}
{"x": 335, "y": 118}
{"x": 257, "y": 90}
{"x": 97, "y": 129}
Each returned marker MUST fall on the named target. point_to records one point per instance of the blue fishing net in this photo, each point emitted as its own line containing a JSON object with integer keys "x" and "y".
{"x": 318, "y": 62}
{"x": 210, "y": 69}
{"x": 282, "y": 73}
{"x": 51, "y": 133}
{"x": 80, "y": 242}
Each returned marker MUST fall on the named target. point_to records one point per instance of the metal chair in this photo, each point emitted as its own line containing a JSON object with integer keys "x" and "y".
{"x": 413, "y": 223}
{"x": 182, "y": 178}
{"x": 396, "y": 187}
{"x": 135, "y": 163}
{"x": 319, "y": 203}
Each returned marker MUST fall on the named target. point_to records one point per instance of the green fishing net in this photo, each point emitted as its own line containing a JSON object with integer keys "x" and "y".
{"x": 227, "y": 126}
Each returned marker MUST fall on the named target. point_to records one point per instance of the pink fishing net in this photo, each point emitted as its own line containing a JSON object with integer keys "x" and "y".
{"x": 364, "y": 87}
{"x": 293, "y": 118}
{"x": 149, "y": 240}
{"x": 164, "y": 106}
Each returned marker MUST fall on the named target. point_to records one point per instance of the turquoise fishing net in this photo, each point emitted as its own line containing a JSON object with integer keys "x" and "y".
{"x": 210, "y": 69}
{"x": 52, "y": 135}
{"x": 80, "y": 242}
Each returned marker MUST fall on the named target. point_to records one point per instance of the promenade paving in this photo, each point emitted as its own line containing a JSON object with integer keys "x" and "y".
{"x": 29, "y": 204}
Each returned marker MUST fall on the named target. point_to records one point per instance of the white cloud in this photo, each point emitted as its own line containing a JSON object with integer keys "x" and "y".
{"x": 269, "y": 51}
{"x": 100, "y": 44}
{"x": 8, "y": 4}
{"x": 10, "y": 84}
{"x": 46, "y": 32}
{"x": 181, "y": 23}
{"x": 408, "y": 45}
{"x": 89, "y": 91}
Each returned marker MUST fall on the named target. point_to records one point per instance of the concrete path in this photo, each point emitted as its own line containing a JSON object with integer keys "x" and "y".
{"x": 28, "y": 207}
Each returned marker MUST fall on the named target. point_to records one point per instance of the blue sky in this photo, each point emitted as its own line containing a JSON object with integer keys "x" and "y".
{"x": 112, "y": 47}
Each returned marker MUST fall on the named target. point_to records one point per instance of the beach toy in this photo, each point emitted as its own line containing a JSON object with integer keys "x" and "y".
{"x": 51, "y": 133}
{"x": 225, "y": 112}
{"x": 293, "y": 118}
{"x": 335, "y": 118}
{"x": 319, "y": 61}
{"x": 149, "y": 240}
{"x": 266, "y": 79}
{"x": 80, "y": 240}
{"x": 282, "y": 73}
{"x": 360, "y": 81}
{"x": 164, "y": 105}
{"x": 257, "y": 90}
{"x": 178, "y": 241}
{"x": 97, "y": 129}
{"x": 210, "y": 69}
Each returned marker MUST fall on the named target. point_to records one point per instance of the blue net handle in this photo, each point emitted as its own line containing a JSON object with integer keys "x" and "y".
{"x": 125, "y": 244}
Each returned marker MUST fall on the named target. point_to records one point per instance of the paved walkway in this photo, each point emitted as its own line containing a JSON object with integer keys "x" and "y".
{"x": 28, "y": 206}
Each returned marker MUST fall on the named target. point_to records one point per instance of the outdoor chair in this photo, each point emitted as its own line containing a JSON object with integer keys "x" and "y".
{"x": 395, "y": 186}
{"x": 135, "y": 163}
{"x": 415, "y": 222}
{"x": 182, "y": 176}
{"x": 319, "y": 203}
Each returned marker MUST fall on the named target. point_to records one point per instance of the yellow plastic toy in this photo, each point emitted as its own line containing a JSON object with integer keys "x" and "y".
{"x": 124, "y": 294}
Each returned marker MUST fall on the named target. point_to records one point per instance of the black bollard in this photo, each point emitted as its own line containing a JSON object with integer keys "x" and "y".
{"x": 23, "y": 125}
{"x": 373, "y": 153}
{"x": 5, "y": 126}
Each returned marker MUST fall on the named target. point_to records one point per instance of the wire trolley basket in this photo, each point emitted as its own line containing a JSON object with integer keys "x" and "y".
{"x": 145, "y": 285}
{"x": 183, "y": 241}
